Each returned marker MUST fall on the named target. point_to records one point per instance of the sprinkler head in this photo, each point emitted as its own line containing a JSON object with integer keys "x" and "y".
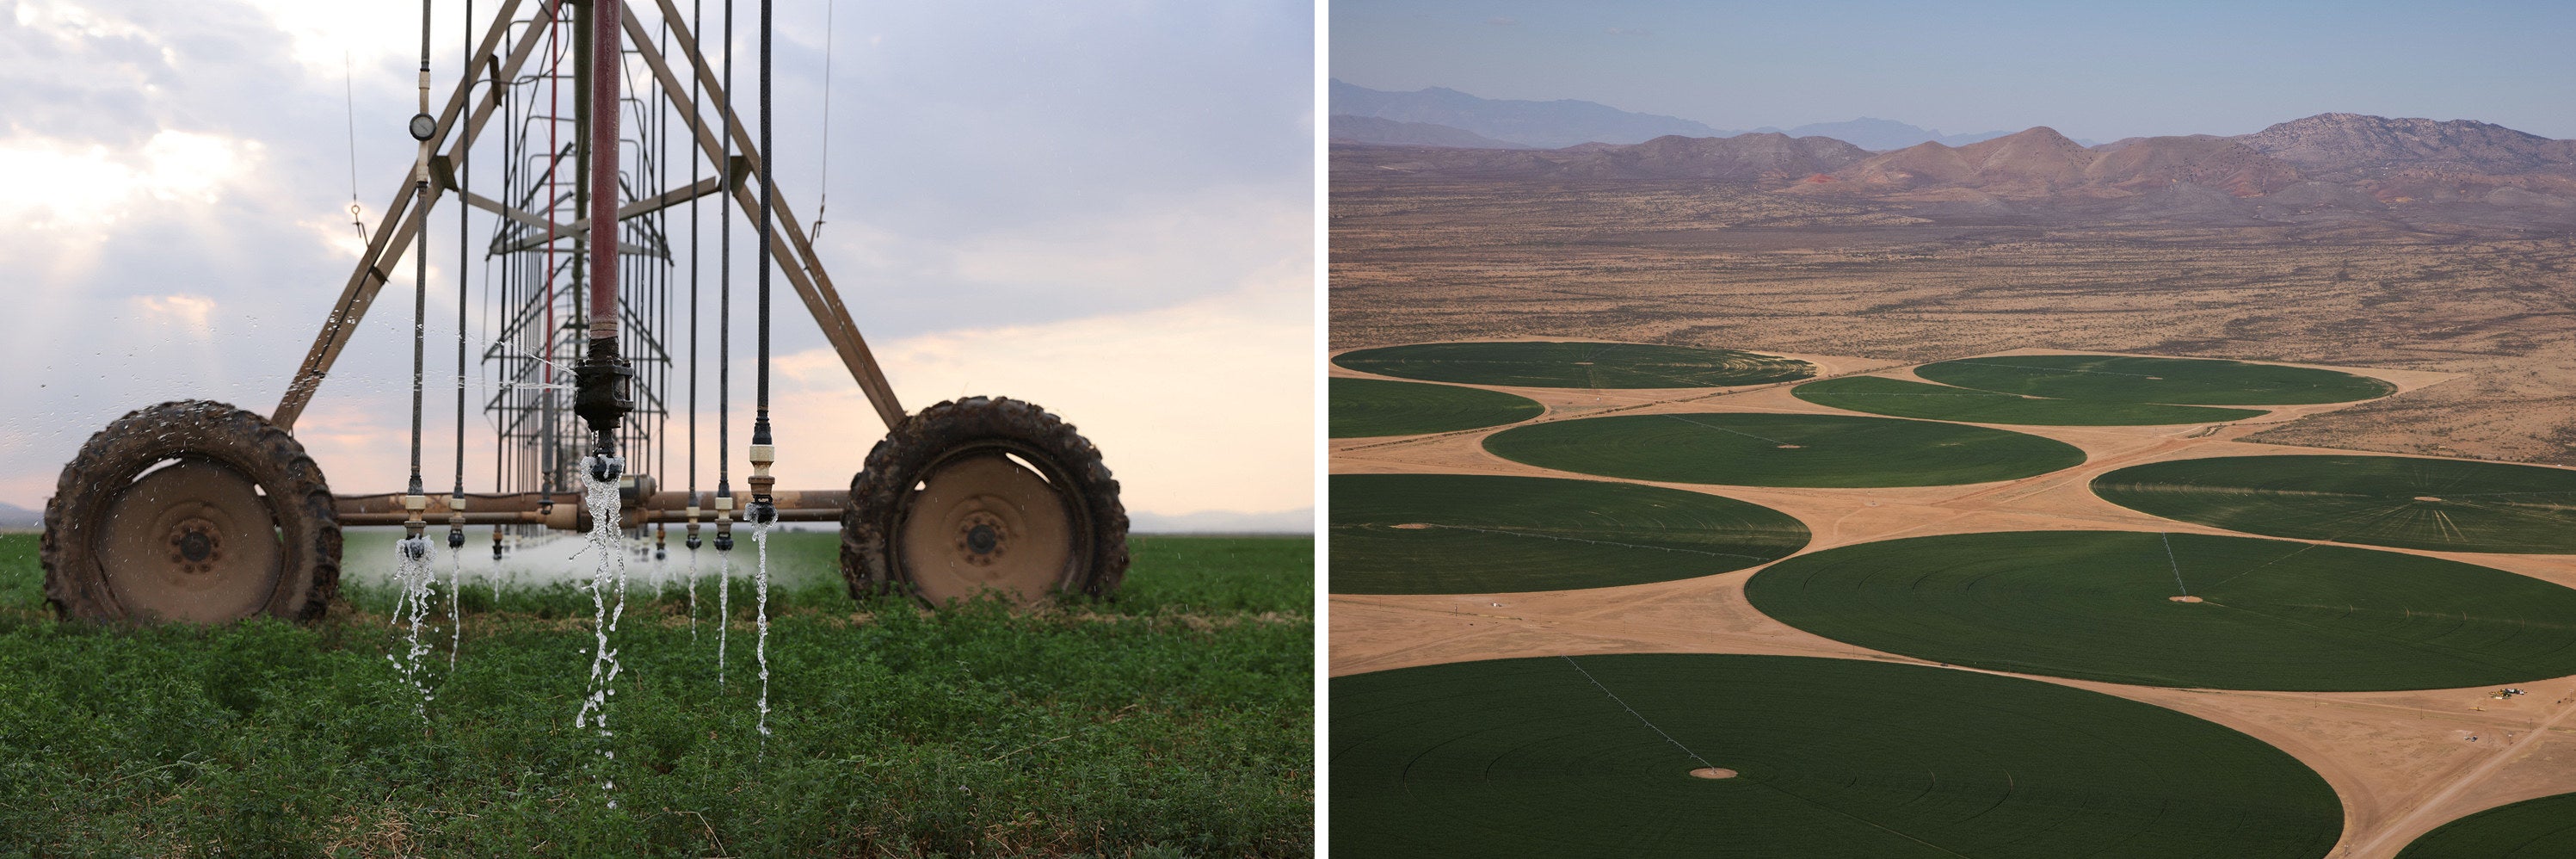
{"x": 496, "y": 551}
{"x": 412, "y": 548}
{"x": 693, "y": 541}
{"x": 456, "y": 538}
{"x": 660, "y": 553}
{"x": 603, "y": 467}
{"x": 761, "y": 512}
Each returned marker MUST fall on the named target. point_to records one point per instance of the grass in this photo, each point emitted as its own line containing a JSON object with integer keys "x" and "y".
{"x": 1491, "y": 534}
{"x": 1576, "y": 365}
{"x": 2175, "y": 381}
{"x": 1532, "y": 757}
{"x": 2530, "y": 829}
{"x": 1364, "y": 408}
{"x": 2407, "y": 502}
{"x": 1176, "y": 721}
{"x": 1879, "y": 395}
{"x": 2096, "y": 605}
{"x": 1746, "y": 449}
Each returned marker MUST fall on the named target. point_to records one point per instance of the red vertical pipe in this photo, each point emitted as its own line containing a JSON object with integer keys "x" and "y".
{"x": 607, "y": 62}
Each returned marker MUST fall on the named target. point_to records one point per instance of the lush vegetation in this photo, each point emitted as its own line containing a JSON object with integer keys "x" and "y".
{"x": 1378, "y": 407}
{"x": 2530, "y": 829}
{"x": 2408, "y": 502}
{"x": 1765, "y": 449}
{"x": 1576, "y": 365}
{"x": 1454, "y": 533}
{"x": 1175, "y": 721}
{"x": 2098, "y": 605}
{"x": 1880, "y": 395}
{"x": 2175, "y": 381}
{"x": 1591, "y": 756}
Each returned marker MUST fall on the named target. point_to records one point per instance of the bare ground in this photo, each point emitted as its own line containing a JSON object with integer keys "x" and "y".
{"x": 1418, "y": 260}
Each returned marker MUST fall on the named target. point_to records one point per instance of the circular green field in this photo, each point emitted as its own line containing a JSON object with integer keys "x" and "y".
{"x": 2175, "y": 381}
{"x": 2408, "y": 502}
{"x": 1576, "y": 365}
{"x": 1747, "y": 449}
{"x": 1593, "y": 755}
{"x": 2543, "y": 828}
{"x": 1900, "y": 398}
{"x": 1476, "y": 534}
{"x": 1377, "y": 407}
{"x": 2100, "y": 605}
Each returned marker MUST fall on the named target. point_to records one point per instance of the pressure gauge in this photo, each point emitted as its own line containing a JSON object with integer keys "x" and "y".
{"x": 422, "y": 126}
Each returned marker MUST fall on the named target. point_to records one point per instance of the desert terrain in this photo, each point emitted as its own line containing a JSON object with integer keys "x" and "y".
{"x": 2440, "y": 257}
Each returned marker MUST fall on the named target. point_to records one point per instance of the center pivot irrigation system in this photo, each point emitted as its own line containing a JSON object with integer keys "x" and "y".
{"x": 199, "y": 511}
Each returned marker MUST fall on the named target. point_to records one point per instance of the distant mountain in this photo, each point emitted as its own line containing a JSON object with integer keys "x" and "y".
{"x": 1742, "y": 158}
{"x": 1370, "y": 129}
{"x": 1883, "y": 135}
{"x": 1542, "y": 124}
{"x": 2040, "y": 162}
{"x": 2327, "y": 168}
{"x": 13, "y": 516}
{"x": 2330, "y": 143}
{"x": 1298, "y": 521}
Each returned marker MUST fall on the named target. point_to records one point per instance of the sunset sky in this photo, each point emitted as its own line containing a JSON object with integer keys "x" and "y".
{"x": 1105, "y": 211}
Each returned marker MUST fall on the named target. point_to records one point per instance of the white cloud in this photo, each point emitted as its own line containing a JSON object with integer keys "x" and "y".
{"x": 190, "y": 313}
{"x": 330, "y": 36}
{"x": 53, "y": 185}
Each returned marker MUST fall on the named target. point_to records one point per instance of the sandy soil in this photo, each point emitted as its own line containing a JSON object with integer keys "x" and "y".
{"x": 1711, "y": 265}
{"x": 2400, "y": 760}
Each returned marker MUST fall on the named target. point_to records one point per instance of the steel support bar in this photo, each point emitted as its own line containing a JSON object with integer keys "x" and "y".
{"x": 565, "y": 511}
{"x": 401, "y": 219}
{"x": 789, "y": 241}
{"x": 606, "y": 72}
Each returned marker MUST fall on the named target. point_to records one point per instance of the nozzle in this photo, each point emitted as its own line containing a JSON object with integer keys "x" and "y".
{"x": 412, "y": 548}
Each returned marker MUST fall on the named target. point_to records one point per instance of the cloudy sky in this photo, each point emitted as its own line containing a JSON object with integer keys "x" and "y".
{"x": 2099, "y": 70}
{"x": 1102, "y": 208}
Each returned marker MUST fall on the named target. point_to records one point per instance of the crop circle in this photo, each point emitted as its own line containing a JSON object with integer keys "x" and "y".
{"x": 2171, "y": 381}
{"x": 1766, "y": 449}
{"x": 1879, "y": 395}
{"x": 2534, "y": 828}
{"x": 1459, "y": 533}
{"x": 2406, "y": 502}
{"x": 1593, "y": 756}
{"x": 1363, "y": 408}
{"x": 2096, "y": 605}
{"x": 1537, "y": 364}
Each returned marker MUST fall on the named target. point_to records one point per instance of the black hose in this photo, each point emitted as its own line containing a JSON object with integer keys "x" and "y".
{"x": 724, "y": 301}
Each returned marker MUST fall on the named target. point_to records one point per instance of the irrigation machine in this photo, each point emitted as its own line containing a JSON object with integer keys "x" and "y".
{"x": 199, "y": 511}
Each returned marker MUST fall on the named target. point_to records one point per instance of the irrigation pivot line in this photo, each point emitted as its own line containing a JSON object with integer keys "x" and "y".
{"x": 969, "y": 496}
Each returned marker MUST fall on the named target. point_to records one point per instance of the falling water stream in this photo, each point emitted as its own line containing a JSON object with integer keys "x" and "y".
{"x": 724, "y": 611}
{"x": 418, "y": 589}
{"x": 760, "y": 536}
{"x": 608, "y": 603}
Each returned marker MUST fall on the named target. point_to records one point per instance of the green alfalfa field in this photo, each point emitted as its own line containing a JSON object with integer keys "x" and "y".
{"x": 1174, "y": 721}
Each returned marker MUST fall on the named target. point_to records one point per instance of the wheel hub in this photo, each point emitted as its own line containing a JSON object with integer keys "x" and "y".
{"x": 192, "y": 541}
{"x": 195, "y": 546}
{"x": 982, "y": 538}
{"x": 985, "y": 523}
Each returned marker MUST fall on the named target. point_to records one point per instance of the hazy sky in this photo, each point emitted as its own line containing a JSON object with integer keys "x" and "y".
{"x": 1105, "y": 209}
{"x": 2097, "y": 70}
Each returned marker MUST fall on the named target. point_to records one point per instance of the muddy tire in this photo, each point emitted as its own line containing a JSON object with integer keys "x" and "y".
{"x": 191, "y": 511}
{"x": 984, "y": 494}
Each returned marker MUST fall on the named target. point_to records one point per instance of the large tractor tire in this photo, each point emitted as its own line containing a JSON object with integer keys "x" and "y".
{"x": 984, "y": 495}
{"x": 195, "y": 512}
